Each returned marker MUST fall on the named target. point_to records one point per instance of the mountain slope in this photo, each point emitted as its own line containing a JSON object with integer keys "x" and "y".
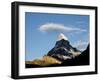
{"x": 63, "y": 50}
{"x": 45, "y": 61}
{"x": 82, "y": 59}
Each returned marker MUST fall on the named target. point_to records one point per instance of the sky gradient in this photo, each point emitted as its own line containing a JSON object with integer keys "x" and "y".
{"x": 42, "y": 29}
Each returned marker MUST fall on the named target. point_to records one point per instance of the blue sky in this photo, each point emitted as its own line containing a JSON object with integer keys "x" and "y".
{"x": 42, "y": 29}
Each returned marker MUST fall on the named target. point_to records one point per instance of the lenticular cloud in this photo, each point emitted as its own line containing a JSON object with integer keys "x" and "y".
{"x": 59, "y": 27}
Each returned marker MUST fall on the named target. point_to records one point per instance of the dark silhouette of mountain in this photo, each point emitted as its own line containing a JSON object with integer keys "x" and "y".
{"x": 83, "y": 58}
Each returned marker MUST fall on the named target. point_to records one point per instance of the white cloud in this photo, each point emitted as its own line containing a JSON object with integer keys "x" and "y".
{"x": 81, "y": 45}
{"x": 59, "y": 27}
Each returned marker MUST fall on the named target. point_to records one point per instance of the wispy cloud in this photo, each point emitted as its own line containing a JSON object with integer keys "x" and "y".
{"x": 81, "y": 45}
{"x": 59, "y": 27}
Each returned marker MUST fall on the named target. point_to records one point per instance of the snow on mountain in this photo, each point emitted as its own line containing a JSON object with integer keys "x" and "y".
{"x": 62, "y": 36}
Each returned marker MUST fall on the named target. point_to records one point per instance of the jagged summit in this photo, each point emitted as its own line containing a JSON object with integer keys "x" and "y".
{"x": 63, "y": 50}
{"x": 62, "y": 36}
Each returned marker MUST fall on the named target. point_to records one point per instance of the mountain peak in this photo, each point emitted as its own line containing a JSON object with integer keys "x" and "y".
{"x": 62, "y": 36}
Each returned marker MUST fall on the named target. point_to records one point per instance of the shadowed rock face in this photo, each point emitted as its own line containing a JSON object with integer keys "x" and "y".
{"x": 63, "y": 50}
{"x": 82, "y": 59}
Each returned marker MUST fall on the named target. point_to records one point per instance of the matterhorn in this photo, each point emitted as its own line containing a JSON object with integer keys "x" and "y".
{"x": 63, "y": 50}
